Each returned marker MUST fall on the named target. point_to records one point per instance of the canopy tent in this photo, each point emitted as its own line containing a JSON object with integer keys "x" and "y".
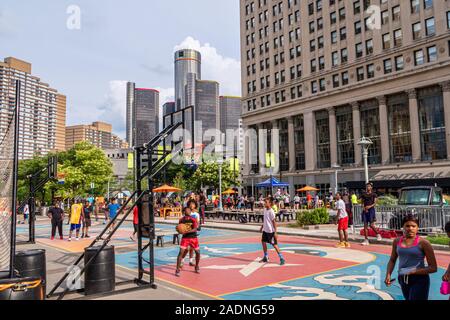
{"x": 229, "y": 191}
{"x": 272, "y": 183}
{"x": 307, "y": 188}
{"x": 166, "y": 189}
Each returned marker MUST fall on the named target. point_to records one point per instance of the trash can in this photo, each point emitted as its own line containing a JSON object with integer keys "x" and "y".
{"x": 22, "y": 289}
{"x": 31, "y": 263}
{"x": 100, "y": 275}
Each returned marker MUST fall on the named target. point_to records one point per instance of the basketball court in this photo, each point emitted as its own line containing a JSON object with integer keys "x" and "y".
{"x": 230, "y": 267}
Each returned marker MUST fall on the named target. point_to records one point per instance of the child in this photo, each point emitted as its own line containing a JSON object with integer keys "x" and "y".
{"x": 87, "y": 210}
{"x": 269, "y": 232}
{"x": 76, "y": 216}
{"x": 113, "y": 209}
{"x": 342, "y": 222}
{"x": 192, "y": 204}
{"x": 189, "y": 240}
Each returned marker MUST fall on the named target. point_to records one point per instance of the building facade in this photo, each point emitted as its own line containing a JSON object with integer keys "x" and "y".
{"x": 230, "y": 109}
{"x": 42, "y": 110}
{"x": 131, "y": 86}
{"x": 145, "y": 115}
{"x": 327, "y": 72}
{"x": 98, "y": 133}
{"x": 187, "y": 62}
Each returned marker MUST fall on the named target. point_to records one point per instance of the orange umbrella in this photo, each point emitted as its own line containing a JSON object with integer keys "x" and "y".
{"x": 307, "y": 188}
{"x": 166, "y": 188}
{"x": 229, "y": 191}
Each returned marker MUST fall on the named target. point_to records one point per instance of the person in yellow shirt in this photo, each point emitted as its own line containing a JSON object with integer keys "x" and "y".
{"x": 354, "y": 199}
{"x": 75, "y": 219}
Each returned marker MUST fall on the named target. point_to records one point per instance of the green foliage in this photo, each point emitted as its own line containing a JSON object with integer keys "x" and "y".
{"x": 82, "y": 164}
{"x": 313, "y": 217}
{"x": 207, "y": 174}
{"x": 387, "y": 200}
{"x": 443, "y": 240}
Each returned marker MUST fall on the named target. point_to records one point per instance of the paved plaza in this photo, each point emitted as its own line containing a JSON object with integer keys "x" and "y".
{"x": 230, "y": 267}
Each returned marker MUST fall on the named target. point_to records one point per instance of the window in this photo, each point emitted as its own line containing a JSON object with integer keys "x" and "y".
{"x": 356, "y": 7}
{"x": 322, "y": 85}
{"x": 428, "y": 4}
{"x": 398, "y": 37}
{"x": 323, "y": 139}
{"x": 335, "y": 81}
{"x": 321, "y": 42}
{"x": 313, "y": 65}
{"x": 418, "y": 57}
{"x": 385, "y": 17}
{"x": 333, "y": 17}
{"x": 370, "y": 127}
{"x": 396, "y": 13}
{"x": 387, "y": 64}
{"x": 357, "y": 27}
{"x": 370, "y": 71}
{"x": 334, "y": 37}
{"x": 399, "y": 63}
{"x": 448, "y": 19}
{"x": 359, "y": 50}
{"x": 360, "y": 74}
{"x": 399, "y": 128}
{"x": 342, "y": 14}
{"x": 312, "y": 27}
{"x": 344, "y": 78}
{"x": 320, "y": 24}
{"x": 415, "y": 6}
{"x": 430, "y": 27}
{"x": 321, "y": 63}
{"x": 312, "y": 45}
{"x": 417, "y": 27}
{"x": 335, "y": 59}
{"x": 386, "y": 41}
{"x": 369, "y": 46}
{"x": 343, "y": 33}
{"x": 432, "y": 54}
{"x": 344, "y": 135}
{"x": 344, "y": 55}
{"x": 314, "y": 87}
{"x": 299, "y": 140}
{"x": 432, "y": 124}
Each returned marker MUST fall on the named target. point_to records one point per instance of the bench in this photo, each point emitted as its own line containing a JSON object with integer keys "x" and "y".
{"x": 160, "y": 237}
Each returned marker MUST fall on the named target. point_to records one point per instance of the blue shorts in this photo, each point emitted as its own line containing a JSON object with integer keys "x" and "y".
{"x": 112, "y": 216}
{"x": 75, "y": 227}
{"x": 369, "y": 216}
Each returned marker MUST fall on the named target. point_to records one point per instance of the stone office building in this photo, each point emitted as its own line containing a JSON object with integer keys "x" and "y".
{"x": 323, "y": 75}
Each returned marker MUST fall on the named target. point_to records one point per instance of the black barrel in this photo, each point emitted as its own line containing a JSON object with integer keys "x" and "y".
{"x": 31, "y": 263}
{"x": 22, "y": 289}
{"x": 100, "y": 275}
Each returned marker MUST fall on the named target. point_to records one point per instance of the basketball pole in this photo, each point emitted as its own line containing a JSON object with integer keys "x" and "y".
{"x": 15, "y": 177}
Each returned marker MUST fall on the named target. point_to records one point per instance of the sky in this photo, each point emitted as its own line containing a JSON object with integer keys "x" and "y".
{"x": 88, "y": 50}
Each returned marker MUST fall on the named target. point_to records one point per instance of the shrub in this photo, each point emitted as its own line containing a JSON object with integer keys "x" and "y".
{"x": 313, "y": 217}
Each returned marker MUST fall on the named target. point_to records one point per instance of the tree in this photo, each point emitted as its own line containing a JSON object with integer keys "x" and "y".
{"x": 207, "y": 174}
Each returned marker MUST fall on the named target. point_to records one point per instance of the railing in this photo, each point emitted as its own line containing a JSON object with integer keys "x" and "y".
{"x": 431, "y": 218}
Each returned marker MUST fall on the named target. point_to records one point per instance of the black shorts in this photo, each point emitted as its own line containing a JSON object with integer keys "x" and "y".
{"x": 269, "y": 238}
{"x": 87, "y": 222}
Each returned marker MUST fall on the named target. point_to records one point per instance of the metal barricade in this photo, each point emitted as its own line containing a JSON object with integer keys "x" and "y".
{"x": 431, "y": 219}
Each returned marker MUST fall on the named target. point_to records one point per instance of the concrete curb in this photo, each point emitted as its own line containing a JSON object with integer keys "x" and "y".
{"x": 283, "y": 231}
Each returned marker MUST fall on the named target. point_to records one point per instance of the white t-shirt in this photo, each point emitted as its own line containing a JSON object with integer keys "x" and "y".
{"x": 196, "y": 216}
{"x": 297, "y": 199}
{"x": 269, "y": 216}
{"x": 340, "y": 207}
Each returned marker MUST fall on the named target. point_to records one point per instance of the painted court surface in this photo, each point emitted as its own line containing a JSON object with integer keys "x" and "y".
{"x": 230, "y": 267}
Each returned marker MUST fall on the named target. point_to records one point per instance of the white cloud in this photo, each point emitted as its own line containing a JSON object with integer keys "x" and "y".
{"x": 113, "y": 110}
{"x": 225, "y": 70}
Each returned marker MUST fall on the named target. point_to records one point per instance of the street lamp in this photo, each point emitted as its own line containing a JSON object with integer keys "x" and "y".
{"x": 365, "y": 143}
{"x": 220, "y": 163}
{"x": 252, "y": 174}
{"x": 336, "y": 187}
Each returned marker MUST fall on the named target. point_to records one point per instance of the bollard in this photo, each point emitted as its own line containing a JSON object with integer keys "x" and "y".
{"x": 22, "y": 289}
{"x": 32, "y": 263}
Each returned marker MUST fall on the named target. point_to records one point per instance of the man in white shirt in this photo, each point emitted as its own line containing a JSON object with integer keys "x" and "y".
{"x": 342, "y": 222}
{"x": 269, "y": 232}
{"x": 26, "y": 213}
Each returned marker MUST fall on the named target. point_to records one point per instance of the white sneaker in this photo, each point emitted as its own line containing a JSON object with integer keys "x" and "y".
{"x": 379, "y": 237}
{"x": 365, "y": 242}
{"x": 70, "y": 239}
{"x": 78, "y": 239}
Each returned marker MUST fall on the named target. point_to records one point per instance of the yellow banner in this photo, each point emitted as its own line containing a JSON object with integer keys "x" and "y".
{"x": 270, "y": 160}
{"x": 130, "y": 160}
{"x": 234, "y": 164}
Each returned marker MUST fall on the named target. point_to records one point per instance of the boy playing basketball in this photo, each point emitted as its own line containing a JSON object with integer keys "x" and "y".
{"x": 342, "y": 222}
{"x": 189, "y": 240}
{"x": 269, "y": 232}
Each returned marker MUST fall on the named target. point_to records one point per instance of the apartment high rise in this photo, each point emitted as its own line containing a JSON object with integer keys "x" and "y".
{"x": 325, "y": 73}
{"x": 98, "y": 133}
{"x": 42, "y": 110}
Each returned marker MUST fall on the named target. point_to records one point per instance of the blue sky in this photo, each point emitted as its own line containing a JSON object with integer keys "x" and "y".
{"x": 119, "y": 41}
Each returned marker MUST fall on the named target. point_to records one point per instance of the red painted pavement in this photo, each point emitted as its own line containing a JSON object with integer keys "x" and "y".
{"x": 219, "y": 282}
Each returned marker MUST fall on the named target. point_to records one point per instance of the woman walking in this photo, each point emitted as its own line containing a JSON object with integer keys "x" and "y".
{"x": 411, "y": 250}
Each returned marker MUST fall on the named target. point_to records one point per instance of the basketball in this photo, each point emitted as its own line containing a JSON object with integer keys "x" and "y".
{"x": 183, "y": 228}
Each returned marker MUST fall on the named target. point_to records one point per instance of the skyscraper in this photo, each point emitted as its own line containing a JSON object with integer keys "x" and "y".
{"x": 129, "y": 117}
{"x": 186, "y": 61}
{"x": 230, "y": 112}
{"x": 42, "y": 110}
{"x": 145, "y": 115}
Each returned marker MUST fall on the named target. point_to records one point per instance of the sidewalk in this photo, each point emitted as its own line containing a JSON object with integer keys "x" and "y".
{"x": 327, "y": 232}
